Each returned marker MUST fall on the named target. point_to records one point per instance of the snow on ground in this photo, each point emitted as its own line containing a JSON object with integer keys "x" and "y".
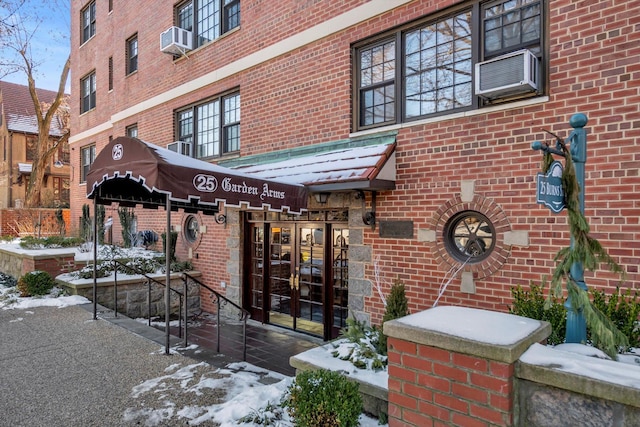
{"x": 247, "y": 389}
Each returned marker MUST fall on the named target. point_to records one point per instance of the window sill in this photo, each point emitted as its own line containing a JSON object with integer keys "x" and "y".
{"x": 453, "y": 116}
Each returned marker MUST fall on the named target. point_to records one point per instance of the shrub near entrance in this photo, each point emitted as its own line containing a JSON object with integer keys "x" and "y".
{"x": 323, "y": 398}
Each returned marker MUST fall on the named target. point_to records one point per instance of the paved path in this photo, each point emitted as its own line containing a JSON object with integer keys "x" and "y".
{"x": 59, "y": 367}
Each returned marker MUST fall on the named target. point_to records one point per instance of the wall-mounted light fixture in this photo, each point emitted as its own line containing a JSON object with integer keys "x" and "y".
{"x": 321, "y": 197}
{"x": 368, "y": 217}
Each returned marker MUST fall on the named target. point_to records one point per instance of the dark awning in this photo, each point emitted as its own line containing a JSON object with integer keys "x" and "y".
{"x": 356, "y": 164}
{"x": 131, "y": 172}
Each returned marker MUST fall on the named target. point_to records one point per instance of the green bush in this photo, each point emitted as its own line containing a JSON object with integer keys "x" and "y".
{"x": 362, "y": 353}
{"x": 531, "y": 304}
{"x": 7, "y": 280}
{"x": 623, "y": 309}
{"x": 35, "y": 283}
{"x": 397, "y": 307}
{"x": 30, "y": 242}
{"x": 323, "y": 398}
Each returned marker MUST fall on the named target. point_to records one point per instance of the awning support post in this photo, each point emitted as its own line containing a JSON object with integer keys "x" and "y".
{"x": 95, "y": 259}
{"x": 167, "y": 288}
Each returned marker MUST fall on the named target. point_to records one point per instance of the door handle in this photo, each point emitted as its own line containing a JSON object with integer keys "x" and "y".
{"x": 296, "y": 283}
{"x": 291, "y": 281}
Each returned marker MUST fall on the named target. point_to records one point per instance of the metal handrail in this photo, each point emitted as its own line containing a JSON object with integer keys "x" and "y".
{"x": 149, "y": 280}
{"x": 220, "y": 300}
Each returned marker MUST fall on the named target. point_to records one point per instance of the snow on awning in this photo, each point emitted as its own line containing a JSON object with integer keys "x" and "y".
{"x": 25, "y": 168}
{"x": 365, "y": 164}
{"x": 130, "y": 171}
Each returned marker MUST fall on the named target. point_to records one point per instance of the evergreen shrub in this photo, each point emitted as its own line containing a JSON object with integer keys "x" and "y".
{"x": 531, "y": 303}
{"x": 397, "y": 307}
{"x": 323, "y": 398}
{"x": 623, "y": 309}
{"x": 35, "y": 283}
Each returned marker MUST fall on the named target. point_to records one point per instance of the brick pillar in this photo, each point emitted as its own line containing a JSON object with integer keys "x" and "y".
{"x": 454, "y": 366}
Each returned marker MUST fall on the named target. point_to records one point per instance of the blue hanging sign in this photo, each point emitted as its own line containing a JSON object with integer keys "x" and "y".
{"x": 549, "y": 188}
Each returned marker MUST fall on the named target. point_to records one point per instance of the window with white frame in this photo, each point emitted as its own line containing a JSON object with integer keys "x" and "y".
{"x": 212, "y": 127}
{"x": 208, "y": 19}
{"x": 88, "y": 92}
{"x": 426, "y": 68}
{"x": 88, "y": 21}
{"x": 87, "y": 156}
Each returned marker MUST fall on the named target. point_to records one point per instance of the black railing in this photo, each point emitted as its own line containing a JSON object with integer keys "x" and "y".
{"x": 221, "y": 301}
{"x": 218, "y": 299}
{"x": 182, "y": 323}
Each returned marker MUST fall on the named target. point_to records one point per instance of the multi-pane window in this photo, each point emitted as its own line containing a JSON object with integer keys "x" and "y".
{"x": 87, "y": 156}
{"x": 31, "y": 147}
{"x": 427, "y": 68}
{"x": 510, "y": 25}
{"x": 132, "y": 131}
{"x": 132, "y": 54}
{"x": 437, "y": 66}
{"x": 62, "y": 154}
{"x": 88, "y": 93}
{"x": 377, "y": 83}
{"x": 88, "y": 15}
{"x": 208, "y": 19}
{"x": 213, "y": 127}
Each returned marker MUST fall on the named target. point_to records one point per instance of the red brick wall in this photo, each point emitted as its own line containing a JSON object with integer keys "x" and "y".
{"x": 304, "y": 97}
{"x": 433, "y": 386}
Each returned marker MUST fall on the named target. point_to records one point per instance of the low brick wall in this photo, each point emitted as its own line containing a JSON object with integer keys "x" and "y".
{"x": 19, "y": 262}
{"x": 133, "y": 294}
{"x": 463, "y": 371}
{"x": 455, "y": 366}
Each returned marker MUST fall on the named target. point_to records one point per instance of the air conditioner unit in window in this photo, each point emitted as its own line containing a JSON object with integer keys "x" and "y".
{"x": 176, "y": 41}
{"x": 181, "y": 147}
{"x": 511, "y": 74}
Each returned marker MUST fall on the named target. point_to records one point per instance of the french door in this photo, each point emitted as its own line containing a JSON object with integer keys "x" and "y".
{"x": 298, "y": 276}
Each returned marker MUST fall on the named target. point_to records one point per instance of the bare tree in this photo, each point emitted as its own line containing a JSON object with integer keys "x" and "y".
{"x": 17, "y": 30}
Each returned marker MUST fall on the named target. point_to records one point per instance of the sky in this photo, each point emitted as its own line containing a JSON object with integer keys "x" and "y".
{"x": 50, "y": 45}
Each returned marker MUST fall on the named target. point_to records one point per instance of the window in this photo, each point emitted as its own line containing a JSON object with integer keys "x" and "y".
{"x": 88, "y": 22}
{"x": 132, "y": 131}
{"x": 511, "y": 25}
{"x": 469, "y": 236}
{"x": 87, "y": 156}
{"x": 31, "y": 147}
{"x": 213, "y": 127}
{"x": 111, "y": 73}
{"x": 88, "y": 90}
{"x": 62, "y": 155}
{"x": 208, "y": 19}
{"x": 427, "y": 69}
{"x": 191, "y": 229}
{"x": 132, "y": 54}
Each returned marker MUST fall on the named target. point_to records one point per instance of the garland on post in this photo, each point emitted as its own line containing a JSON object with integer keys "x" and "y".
{"x": 587, "y": 251}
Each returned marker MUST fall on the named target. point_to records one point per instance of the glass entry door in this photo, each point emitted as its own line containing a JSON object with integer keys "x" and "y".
{"x": 296, "y": 277}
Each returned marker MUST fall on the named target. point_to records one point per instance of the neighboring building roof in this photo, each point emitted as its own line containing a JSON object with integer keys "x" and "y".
{"x": 19, "y": 111}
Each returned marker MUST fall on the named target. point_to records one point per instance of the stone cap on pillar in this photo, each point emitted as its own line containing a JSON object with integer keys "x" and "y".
{"x": 488, "y": 334}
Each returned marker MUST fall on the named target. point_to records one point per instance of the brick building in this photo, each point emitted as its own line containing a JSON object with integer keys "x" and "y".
{"x": 409, "y": 121}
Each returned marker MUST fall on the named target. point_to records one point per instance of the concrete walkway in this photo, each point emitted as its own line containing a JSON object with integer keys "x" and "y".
{"x": 59, "y": 367}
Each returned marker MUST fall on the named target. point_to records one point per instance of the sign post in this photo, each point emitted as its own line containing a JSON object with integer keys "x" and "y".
{"x": 577, "y": 142}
